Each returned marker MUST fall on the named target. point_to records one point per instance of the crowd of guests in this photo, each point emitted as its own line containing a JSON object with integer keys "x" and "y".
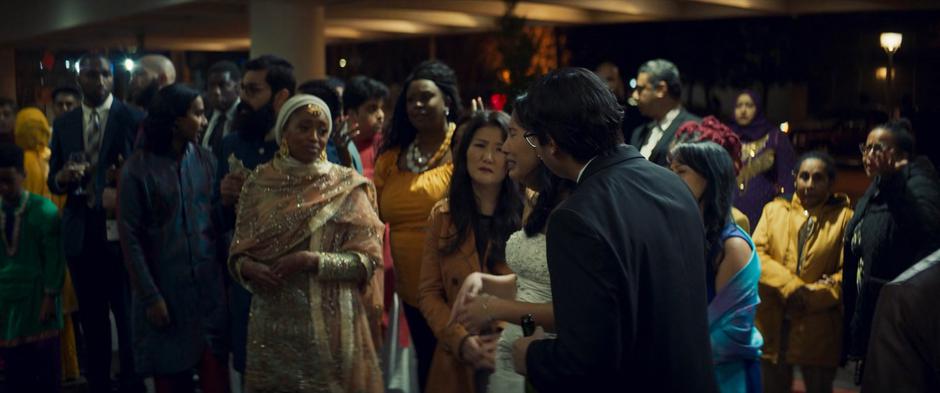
{"x": 277, "y": 226}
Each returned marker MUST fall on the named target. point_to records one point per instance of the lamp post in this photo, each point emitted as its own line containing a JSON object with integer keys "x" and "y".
{"x": 890, "y": 42}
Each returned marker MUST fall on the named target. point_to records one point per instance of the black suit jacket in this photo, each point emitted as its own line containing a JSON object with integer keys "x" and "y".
{"x": 904, "y": 351}
{"x": 642, "y": 133}
{"x": 118, "y": 139}
{"x": 627, "y": 266}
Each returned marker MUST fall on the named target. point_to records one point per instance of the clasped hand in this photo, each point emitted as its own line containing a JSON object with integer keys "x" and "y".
{"x": 271, "y": 277}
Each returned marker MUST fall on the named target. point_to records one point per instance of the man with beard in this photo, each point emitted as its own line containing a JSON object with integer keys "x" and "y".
{"x": 267, "y": 83}
{"x": 87, "y": 147}
{"x": 222, "y": 95}
{"x": 150, "y": 74}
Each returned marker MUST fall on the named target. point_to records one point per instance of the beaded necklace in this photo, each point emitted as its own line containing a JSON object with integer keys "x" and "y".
{"x": 418, "y": 162}
{"x": 12, "y": 245}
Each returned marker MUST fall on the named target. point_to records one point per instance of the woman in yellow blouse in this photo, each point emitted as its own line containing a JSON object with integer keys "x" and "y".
{"x": 32, "y": 134}
{"x": 412, "y": 173}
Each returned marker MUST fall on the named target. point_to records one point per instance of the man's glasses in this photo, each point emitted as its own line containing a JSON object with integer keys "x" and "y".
{"x": 530, "y": 138}
{"x": 872, "y": 148}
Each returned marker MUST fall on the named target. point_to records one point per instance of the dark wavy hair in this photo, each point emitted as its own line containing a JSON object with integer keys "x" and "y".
{"x": 573, "y": 107}
{"x": 464, "y": 209}
{"x": 170, "y": 103}
{"x": 712, "y": 162}
{"x": 401, "y": 132}
{"x": 551, "y": 190}
{"x": 280, "y": 74}
{"x": 360, "y": 89}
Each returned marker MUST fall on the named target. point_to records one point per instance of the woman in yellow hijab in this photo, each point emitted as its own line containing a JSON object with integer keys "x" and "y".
{"x": 32, "y": 133}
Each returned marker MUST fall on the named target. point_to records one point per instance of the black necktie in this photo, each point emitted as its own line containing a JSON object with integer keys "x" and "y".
{"x": 215, "y": 139}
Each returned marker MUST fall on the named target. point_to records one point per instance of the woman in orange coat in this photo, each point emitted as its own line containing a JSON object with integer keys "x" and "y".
{"x": 468, "y": 233}
{"x": 799, "y": 241}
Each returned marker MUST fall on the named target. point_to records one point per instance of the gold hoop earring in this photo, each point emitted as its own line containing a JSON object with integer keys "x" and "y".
{"x": 283, "y": 150}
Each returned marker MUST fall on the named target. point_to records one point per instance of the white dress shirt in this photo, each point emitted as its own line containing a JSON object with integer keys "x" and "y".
{"x": 217, "y": 117}
{"x": 581, "y": 172}
{"x": 658, "y": 131}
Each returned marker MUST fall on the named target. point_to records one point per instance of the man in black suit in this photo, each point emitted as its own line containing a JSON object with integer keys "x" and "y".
{"x": 626, "y": 254}
{"x": 87, "y": 148}
{"x": 222, "y": 97}
{"x": 658, "y": 95}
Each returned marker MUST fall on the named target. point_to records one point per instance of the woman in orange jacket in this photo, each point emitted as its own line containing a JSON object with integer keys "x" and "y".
{"x": 467, "y": 233}
{"x": 799, "y": 241}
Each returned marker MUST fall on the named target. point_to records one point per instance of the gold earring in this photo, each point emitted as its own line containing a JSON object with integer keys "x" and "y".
{"x": 283, "y": 150}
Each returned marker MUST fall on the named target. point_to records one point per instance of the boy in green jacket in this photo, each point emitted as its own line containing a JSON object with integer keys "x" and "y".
{"x": 31, "y": 273}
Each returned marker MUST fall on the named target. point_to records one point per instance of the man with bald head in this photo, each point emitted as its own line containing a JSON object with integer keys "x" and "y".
{"x": 87, "y": 146}
{"x": 151, "y": 73}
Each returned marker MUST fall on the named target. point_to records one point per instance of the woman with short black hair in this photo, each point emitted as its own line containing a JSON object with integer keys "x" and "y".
{"x": 896, "y": 223}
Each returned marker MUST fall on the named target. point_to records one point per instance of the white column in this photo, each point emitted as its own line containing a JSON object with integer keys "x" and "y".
{"x": 292, "y": 29}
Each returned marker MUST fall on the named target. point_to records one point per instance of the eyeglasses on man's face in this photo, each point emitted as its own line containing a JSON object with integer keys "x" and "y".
{"x": 872, "y": 148}
{"x": 531, "y": 139}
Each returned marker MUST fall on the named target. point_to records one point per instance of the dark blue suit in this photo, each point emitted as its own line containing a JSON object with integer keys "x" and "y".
{"x": 97, "y": 270}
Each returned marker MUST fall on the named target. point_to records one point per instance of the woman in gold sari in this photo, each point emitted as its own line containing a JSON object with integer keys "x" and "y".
{"x": 308, "y": 245}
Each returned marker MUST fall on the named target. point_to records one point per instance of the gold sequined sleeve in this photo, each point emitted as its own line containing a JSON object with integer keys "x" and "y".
{"x": 235, "y": 268}
{"x": 355, "y": 252}
{"x": 350, "y": 266}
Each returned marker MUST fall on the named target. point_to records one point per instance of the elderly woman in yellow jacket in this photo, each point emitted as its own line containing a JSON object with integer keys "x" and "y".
{"x": 799, "y": 241}
{"x": 32, "y": 133}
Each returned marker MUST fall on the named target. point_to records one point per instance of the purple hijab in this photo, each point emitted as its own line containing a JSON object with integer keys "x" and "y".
{"x": 759, "y": 127}
{"x": 775, "y": 180}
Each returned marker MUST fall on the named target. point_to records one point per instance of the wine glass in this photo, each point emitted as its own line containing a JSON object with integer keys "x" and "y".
{"x": 78, "y": 161}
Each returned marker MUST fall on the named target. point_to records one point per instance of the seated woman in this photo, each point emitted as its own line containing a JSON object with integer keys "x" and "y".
{"x": 308, "y": 244}
{"x": 467, "y": 234}
{"x": 733, "y": 268}
{"x": 801, "y": 291}
{"x": 487, "y": 297}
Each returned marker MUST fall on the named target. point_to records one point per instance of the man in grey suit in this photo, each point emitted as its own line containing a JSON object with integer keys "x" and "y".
{"x": 658, "y": 95}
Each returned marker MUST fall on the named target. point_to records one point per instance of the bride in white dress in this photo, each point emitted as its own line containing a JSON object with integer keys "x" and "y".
{"x": 485, "y": 297}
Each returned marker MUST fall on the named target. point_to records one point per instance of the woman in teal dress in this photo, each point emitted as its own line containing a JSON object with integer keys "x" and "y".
{"x": 32, "y": 269}
{"x": 733, "y": 268}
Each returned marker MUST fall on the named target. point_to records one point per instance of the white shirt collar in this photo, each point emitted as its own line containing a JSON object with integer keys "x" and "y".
{"x": 229, "y": 117}
{"x": 581, "y": 172}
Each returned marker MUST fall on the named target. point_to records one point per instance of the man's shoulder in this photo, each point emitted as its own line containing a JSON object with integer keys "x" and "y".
{"x": 685, "y": 115}
{"x": 68, "y": 120}
{"x": 127, "y": 112}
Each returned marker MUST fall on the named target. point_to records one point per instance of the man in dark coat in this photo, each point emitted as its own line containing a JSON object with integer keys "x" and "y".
{"x": 626, "y": 254}
{"x": 658, "y": 95}
{"x": 904, "y": 351}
